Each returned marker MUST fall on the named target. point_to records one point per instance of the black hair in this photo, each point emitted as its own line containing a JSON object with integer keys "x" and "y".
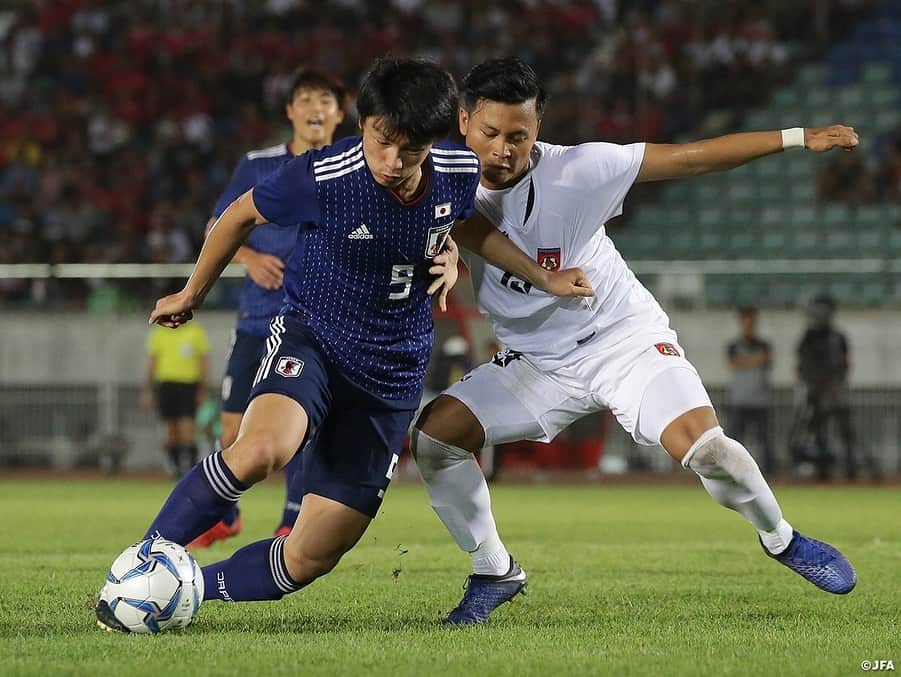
{"x": 415, "y": 99}
{"x": 824, "y": 300}
{"x": 506, "y": 80}
{"x": 311, "y": 78}
{"x": 747, "y": 309}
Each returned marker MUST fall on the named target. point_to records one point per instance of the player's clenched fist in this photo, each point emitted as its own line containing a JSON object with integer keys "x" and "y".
{"x": 445, "y": 271}
{"x": 821, "y": 139}
{"x": 567, "y": 282}
{"x": 174, "y": 310}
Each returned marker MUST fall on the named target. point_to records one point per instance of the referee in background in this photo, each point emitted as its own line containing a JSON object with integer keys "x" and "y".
{"x": 176, "y": 377}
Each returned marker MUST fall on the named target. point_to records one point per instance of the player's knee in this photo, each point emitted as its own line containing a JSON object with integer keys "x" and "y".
{"x": 231, "y": 424}
{"x": 716, "y": 456}
{"x": 254, "y": 456}
{"x": 433, "y": 455}
{"x": 305, "y": 567}
{"x": 450, "y": 421}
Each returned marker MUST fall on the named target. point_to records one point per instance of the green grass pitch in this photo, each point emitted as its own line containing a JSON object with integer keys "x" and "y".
{"x": 623, "y": 581}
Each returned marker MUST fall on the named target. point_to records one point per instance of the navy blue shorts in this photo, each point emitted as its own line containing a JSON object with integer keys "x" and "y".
{"x": 355, "y": 437}
{"x": 244, "y": 359}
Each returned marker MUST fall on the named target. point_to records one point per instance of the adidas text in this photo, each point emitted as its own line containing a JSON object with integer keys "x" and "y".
{"x": 361, "y": 232}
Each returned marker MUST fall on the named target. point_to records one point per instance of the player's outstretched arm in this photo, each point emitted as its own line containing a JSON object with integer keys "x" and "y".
{"x": 220, "y": 246}
{"x": 674, "y": 161}
{"x": 483, "y": 239}
{"x": 264, "y": 269}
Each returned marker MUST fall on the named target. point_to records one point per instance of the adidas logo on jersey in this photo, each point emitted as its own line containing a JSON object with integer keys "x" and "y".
{"x": 361, "y": 232}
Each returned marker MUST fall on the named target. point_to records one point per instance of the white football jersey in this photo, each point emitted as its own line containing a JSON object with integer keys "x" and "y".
{"x": 575, "y": 191}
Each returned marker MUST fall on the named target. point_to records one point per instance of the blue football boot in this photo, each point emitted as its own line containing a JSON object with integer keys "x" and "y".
{"x": 486, "y": 593}
{"x": 819, "y": 563}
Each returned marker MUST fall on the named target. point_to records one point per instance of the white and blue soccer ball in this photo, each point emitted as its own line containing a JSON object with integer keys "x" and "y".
{"x": 152, "y": 586}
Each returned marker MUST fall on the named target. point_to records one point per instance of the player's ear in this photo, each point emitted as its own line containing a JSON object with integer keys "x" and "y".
{"x": 463, "y": 120}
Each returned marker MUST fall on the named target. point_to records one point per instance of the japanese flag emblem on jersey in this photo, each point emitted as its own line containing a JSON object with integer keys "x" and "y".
{"x": 442, "y": 210}
{"x": 435, "y": 241}
{"x": 549, "y": 259}
{"x": 289, "y": 367}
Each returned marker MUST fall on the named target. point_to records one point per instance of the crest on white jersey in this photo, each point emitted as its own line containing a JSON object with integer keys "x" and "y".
{"x": 289, "y": 367}
{"x": 549, "y": 259}
{"x": 435, "y": 241}
{"x": 442, "y": 210}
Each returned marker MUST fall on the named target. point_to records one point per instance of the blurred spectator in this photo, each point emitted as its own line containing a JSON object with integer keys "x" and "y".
{"x": 846, "y": 179}
{"x": 176, "y": 379}
{"x": 108, "y": 110}
{"x": 749, "y": 392}
{"x": 890, "y": 171}
{"x": 823, "y": 365}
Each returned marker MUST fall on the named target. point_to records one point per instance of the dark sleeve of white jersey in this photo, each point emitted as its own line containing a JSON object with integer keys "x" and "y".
{"x": 288, "y": 197}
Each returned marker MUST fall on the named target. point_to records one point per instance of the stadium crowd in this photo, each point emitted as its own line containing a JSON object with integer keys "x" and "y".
{"x": 120, "y": 122}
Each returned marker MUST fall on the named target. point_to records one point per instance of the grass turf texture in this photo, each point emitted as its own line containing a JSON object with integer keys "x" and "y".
{"x": 623, "y": 581}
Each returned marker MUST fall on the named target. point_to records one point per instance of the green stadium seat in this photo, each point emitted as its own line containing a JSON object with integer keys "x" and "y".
{"x": 774, "y": 243}
{"x": 813, "y": 75}
{"x": 718, "y": 291}
{"x": 804, "y": 243}
{"x": 893, "y": 241}
{"x": 876, "y": 73}
{"x": 836, "y": 217}
{"x": 743, "y": 191}
{"x": 886, "y": 120}
{"x": 851, "y": 98}
{"x": 804, "y": 192}
{"x": 760, "y": 120}
{"x": 648, "y": 216}
{"x": 742, "y": 244}
{"x": 839, "y": 243}
{"x": 802, "y": 216}
{"x": 775, "y": 217}
{"x": 815, "y": 99}
{"x": 871, "y": 240}
{"x": 712, "y": 243}
{"x": 676, "y": 192}
{"x": 711, "y": 217}
{"x": 884, "y": 96}
{"x": 775, "y": 191}
{"x": 785, "y": 98}
{"x": 708, "y": 191}
{"x": 873, "y": 291}
{"x": 871, "y": 215}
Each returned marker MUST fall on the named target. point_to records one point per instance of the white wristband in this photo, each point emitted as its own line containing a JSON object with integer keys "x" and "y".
{"x": 793, "y": 138}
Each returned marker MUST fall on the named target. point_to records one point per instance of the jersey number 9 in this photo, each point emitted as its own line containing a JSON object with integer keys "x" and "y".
{"x": 401, "y": 274}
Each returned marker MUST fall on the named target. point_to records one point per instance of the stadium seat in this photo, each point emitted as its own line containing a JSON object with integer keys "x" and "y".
{"x": 813, "y": 75}
{"x": 876, "y": 73}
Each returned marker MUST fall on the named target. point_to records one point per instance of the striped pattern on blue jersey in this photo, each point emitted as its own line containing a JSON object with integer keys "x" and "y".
{"x": 257, "y": 306}
{"x": 359, "y": 273}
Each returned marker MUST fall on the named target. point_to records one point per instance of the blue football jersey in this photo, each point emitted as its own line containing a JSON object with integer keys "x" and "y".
{"x": 257, "y": 305}
{"x": 359, "y": 271}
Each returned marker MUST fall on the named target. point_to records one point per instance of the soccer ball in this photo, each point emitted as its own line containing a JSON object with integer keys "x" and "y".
{"x": 154, "y": 585}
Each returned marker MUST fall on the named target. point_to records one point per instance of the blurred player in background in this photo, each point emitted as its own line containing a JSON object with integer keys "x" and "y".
{"x": 749, "y": 392}
{"x": 823, "y": 364}
{"x": 566, "y": 358}
{"x": 316, "y": 105}
{"x": 347, "y": 355}
{"x": 176, "y": 377}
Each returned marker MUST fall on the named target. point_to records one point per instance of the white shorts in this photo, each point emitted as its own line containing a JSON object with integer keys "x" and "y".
{"x": 646, "y": 383}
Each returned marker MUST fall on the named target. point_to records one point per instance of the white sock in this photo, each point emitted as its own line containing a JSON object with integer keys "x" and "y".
{"x": 732, "y": 478}
{"x": 459, "y": 496}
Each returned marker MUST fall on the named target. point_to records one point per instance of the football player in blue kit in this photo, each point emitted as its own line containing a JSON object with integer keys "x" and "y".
{"x": 315, "y": 106}
{"x": 347, "y": 354}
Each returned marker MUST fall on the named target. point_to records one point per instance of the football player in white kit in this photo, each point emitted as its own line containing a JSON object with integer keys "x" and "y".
{"x": 567, "y": 357}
